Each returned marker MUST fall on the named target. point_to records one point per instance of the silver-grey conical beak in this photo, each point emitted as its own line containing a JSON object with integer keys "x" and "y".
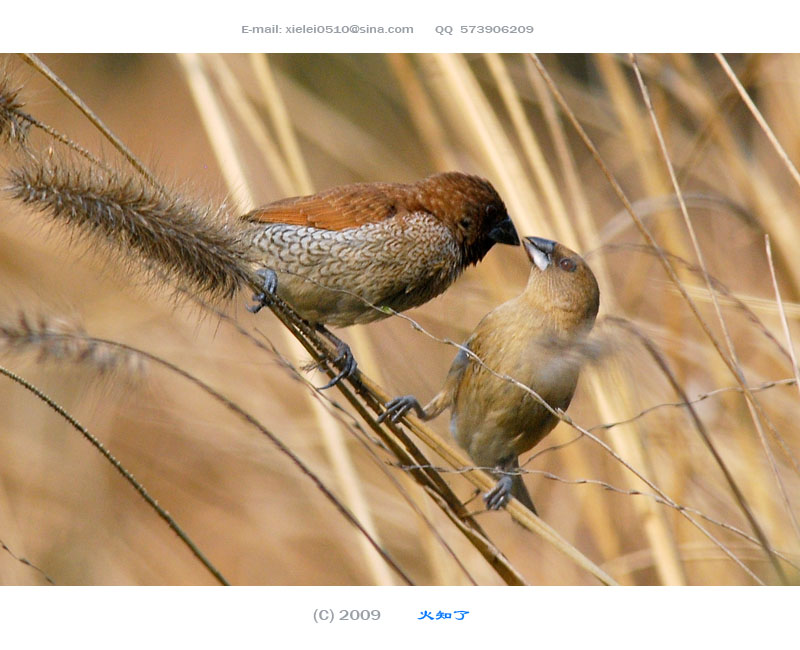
{"x": 540, "y": 251}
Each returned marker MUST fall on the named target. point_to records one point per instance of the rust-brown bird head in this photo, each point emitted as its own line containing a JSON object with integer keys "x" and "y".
{"x": 561, "y": 284}
{"x": 471, "y": 208}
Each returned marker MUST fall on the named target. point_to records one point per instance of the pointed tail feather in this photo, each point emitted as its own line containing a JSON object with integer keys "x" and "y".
{"x": 520, "y": 492}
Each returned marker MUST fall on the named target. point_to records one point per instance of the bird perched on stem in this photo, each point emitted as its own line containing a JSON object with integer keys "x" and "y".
{"x": 534, "y": 339}
{"x": 353, "y": 254}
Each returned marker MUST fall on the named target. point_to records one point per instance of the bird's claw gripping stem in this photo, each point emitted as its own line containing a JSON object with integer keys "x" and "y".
{"x": 270, "y": 287}
{"x": 344, "y": 356}
{"x": 344, "y": 360}
{"x": 398, "y": 407}
{"x": 499, "y": 496}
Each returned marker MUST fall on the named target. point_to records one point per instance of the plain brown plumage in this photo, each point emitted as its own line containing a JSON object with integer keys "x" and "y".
{"x": 535, "y": 339}
{"x": 339, "y": 256}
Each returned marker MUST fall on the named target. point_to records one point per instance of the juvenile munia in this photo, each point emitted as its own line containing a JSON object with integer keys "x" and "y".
{"x": 534, "y": 339}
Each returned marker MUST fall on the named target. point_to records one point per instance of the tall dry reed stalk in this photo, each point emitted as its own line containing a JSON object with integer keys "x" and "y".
{"x": 676, "y": 464}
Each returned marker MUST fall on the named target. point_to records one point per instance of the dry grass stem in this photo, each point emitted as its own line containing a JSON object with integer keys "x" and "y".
{"x": 790, "y": 166}
{"x": 336, "y": 497}
{"x": 282, "y": 124}
{"x": 35, "y": 62}
{"x": 733, "y": 362}
{"x": 221, "y": 135}
{"x": 95, "y": 442}
{"x": 26, "y": 562}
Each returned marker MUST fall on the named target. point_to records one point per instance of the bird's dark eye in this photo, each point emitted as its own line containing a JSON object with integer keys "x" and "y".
{"x": 465, "y": 223}
{"x": 491, "y": 211}
{"x": 568, "y": 264}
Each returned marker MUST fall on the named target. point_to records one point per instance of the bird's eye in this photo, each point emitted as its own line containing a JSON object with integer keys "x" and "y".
{"x": 568, "y": 264}
{"x": 491, "y": 211}
{"x": 465, "y": 223}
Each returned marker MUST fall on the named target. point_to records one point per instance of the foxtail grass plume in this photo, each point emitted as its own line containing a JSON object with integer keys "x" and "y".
{"x": 58, "y": 339}
{"x": 194, "y": 246}
{"x": 14, "y": 122}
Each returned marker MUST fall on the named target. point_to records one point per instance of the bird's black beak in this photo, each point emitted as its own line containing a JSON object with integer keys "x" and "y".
{"x": 540, "y": 251}
{"x": 504, "y": 233}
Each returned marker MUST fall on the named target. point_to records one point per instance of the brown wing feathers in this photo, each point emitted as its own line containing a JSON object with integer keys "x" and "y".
{"x": 335, "y": 209}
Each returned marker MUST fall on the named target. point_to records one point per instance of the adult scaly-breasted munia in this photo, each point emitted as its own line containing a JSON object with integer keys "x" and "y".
{"x": 355, "y": 253}
{"x": 534, "y": 339}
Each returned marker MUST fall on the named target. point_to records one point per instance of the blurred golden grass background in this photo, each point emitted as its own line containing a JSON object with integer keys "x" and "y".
{"x": 290, "y": 124}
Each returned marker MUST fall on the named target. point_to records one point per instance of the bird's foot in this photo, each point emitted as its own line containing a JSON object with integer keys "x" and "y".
{"x": 344, "y": 359}
{"x": 499, "y": 496}
{"x": 270, "y": 287}
{"x": 398, "y": 407}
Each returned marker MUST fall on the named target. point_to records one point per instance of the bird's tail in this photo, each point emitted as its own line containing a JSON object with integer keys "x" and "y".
{"x": 520, "y": 492}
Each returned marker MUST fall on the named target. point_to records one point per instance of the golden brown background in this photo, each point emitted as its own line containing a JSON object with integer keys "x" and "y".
{"x": 399, "y": 118}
